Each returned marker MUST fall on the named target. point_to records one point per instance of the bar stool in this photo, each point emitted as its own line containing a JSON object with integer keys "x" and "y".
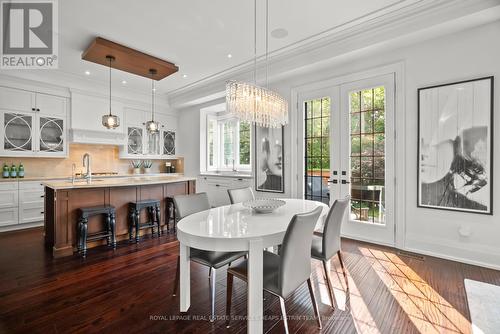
{"x": 82, "y": 227}
{"x": 170, "y": 211}
{"x": 153, "y": 207}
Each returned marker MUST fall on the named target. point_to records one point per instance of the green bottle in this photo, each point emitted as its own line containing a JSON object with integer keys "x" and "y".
{"x": 6, "y": 171}
{"x": 20, "y": 172}
{"x": 13, "y": 171}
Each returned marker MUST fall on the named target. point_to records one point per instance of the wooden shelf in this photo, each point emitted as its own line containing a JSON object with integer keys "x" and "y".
{"x": 127, "y": 59}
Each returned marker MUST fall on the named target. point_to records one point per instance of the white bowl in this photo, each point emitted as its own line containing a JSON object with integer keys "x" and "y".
{"x": 264, "y": 205}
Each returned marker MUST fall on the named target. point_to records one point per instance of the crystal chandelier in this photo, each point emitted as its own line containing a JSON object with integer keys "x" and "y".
{"x": 252, "y": 103}
{"x": 110, "y": 121}
{"x": 152, "y": 126}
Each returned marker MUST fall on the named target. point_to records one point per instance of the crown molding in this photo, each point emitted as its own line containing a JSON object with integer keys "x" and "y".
{"x": 392, "y": 25}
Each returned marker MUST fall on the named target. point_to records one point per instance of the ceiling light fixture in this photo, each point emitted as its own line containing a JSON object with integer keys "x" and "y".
{"x": 252, "y": 103}
{"x": 87, "y": 72}
{"x": 124, "y": 82}
{"x": 184, "y": 75}
{"x": 229, "y": 55}
{"x": 110, "y": 121}
{"x": 152, "y": 126}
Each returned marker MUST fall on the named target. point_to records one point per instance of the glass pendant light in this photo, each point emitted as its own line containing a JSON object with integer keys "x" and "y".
{"x": 152, "y": 126}
{"x": 110, "y": 121}
{"x": 252, "y": 103}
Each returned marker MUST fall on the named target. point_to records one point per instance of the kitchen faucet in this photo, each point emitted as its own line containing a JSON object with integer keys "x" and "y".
{"x": 86, "y": 163}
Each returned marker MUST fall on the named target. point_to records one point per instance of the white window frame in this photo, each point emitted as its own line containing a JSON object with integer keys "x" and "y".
{"x": 219, "y": 164}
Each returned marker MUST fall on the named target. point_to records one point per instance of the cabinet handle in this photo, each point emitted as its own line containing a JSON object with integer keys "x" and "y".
{"x": 240, "y": 179}
{"x": 42, "y": 196}
{"x": 33, "y": 109}
{"x": 37, "y": 109}
{"x": 42, "y": 212}
{"x": 217, "y": 185}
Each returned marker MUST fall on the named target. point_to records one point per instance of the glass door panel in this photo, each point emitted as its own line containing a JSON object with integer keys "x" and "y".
{"x": 153, "y": 143}
{"x": 317, "y": 149}
{"x": 367, "y": 154}
{"x": 18, "y": 132}
{"x": 169, "y": 142}
{"x": 51, "y": 134}
{"x": 134, "y": 143}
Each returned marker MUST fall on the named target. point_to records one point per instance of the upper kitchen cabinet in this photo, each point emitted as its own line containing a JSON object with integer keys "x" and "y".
{"x": 140, "y": 144}
{"x": 34, "y": 124}
{"x": 86, "y": 120}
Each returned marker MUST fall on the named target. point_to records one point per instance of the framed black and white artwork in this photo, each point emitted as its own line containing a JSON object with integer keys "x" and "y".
{"x": 455, "y": 146}
{"x": 269, "y": 152}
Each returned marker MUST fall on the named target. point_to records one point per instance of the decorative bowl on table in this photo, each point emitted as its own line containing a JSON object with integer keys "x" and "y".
{"x": 264, "y": 205}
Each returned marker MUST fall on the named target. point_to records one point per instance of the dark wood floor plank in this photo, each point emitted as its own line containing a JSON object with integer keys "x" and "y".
{"x": 130, "y": 290}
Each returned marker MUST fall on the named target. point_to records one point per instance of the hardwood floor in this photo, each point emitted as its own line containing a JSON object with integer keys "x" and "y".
{"x": 129, "y": 291}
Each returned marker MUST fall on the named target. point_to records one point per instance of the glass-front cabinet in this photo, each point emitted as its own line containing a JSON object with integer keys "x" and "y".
{"x": 152, "y": 143}
{"x": 168, "y": 142}
{"x": 18, "y": 132}
{"x": 134, "y": 140}
{"x": 33, "y": 124}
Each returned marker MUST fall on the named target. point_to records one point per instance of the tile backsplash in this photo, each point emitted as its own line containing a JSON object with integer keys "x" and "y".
{"x": 104, "y": 159}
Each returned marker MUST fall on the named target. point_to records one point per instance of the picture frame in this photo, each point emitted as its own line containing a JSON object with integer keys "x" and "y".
{"x": 455, "y": 146}
{"x": 269, "y": 159}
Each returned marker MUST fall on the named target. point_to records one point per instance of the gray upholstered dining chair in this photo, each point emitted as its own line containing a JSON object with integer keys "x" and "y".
{"x": 240, "y": 195}
{"x": 326, "y": 245}
{"x": 187, "y": 205}
{"x": 286, "y": 272}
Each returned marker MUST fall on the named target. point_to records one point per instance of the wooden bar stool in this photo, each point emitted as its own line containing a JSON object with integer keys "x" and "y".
{"x": 153, "y": 207}
{"x": 82, "y": 227}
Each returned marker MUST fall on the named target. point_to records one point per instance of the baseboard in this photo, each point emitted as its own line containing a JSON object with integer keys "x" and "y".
{"x": 429, "y": 247}
{"x": 18, "y": 227}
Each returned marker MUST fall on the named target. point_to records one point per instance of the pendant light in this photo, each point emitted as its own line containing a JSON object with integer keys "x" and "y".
{"x": 252, "y": 103}
{"x": 110, "y": 121}
{"x": 152, "y": 126}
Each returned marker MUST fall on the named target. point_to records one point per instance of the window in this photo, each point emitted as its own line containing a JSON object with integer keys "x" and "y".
{"x": 228, "y": 143}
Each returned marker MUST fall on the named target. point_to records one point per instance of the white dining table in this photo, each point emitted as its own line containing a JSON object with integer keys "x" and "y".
{"x": 234, "y": 228}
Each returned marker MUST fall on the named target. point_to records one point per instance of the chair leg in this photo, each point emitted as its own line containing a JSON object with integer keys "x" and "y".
{"x": 283, "y": 314}
{"x": 158, "y": 220}
{"x": 339, "y": 253}
{"x": 329, "y": 283}
{"x": 315, "y": 305}
{"x": 113, "y": 230}
{"x": 229, "y": 296}
{"x": 131, "y": 226}
{"x": 137, "y": 224}
{"x": 213, "y": 279}
{"x": 84, "y": 237}
{"x": 177, "y": 274}
{"x": 108, "y": 229}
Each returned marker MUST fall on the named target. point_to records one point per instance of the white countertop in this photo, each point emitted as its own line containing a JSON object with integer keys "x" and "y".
{"x": 117, "y": 182}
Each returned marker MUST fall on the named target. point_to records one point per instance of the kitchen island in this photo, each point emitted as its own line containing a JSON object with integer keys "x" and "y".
{"x": 64, "y": 198}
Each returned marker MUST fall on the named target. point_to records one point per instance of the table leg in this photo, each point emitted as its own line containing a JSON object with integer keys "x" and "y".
{"x": 185, "y": 279}
{"x": 255, "y": 284}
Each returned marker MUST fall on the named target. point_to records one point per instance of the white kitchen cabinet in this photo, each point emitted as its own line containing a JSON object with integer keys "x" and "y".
{"x": 31, "y": 202}
{"x": 216, "y": 187}
{"x": 8, "y": 216}
{"x": 34, "y": 124}
{"x": 16, "y": 100}
{"x": 9, "y": 207}
{"x": 140, "y": 144}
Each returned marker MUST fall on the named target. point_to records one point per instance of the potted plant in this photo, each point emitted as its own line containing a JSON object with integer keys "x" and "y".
{"x": 147, "y": 166}
{"x": 136, "y": 165}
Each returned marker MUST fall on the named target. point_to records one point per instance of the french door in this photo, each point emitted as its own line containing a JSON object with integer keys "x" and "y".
{"x": 348, "y": 136}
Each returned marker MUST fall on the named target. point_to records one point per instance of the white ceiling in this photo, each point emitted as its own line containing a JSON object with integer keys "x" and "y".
{"x": 196, "y": 35}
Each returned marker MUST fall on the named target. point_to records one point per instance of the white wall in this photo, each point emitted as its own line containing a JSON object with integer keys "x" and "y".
{"x": 463, "y": 55}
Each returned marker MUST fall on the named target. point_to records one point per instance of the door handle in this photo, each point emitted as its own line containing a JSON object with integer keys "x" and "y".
{"x": 333, "y": 181}
{"x": 345, "y": 182}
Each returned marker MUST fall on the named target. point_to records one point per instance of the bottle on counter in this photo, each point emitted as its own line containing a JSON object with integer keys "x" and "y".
{"x": 13, "y": 171}
{"x": 6, "y": 171}
{"x": 20, "y": 172}
{"x": 172, "y": 168}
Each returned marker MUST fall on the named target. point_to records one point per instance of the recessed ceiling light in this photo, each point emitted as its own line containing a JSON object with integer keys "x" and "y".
{"x": 184, "y": 75}
{"x": 87, "y": 72}
{"x": 229, "y": 55}
{"x": 279, "y": 33}
{"x": 124, "y": 82}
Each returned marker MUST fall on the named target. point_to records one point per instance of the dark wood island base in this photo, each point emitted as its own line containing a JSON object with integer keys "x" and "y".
{"x": 62, "y": 204}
